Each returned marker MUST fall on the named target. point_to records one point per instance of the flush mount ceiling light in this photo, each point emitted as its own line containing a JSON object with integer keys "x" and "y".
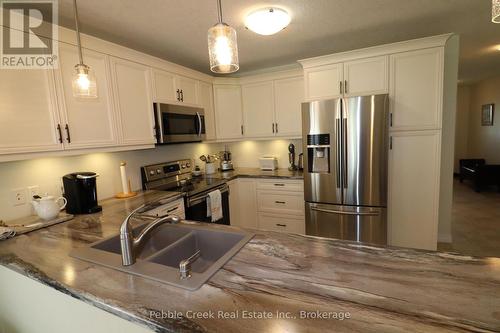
{"x": 495, "y": 11}
{"x": 222, "y": 46}
{"x": 83, "y": 83}
{"x": 267, "y": 21}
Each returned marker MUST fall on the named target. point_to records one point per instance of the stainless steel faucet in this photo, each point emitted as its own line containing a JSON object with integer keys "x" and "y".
{"x": 129, "y": 244}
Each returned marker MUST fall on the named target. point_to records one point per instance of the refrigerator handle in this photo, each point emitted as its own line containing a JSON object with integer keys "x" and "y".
{"x": 338, "y": 151}
{"x": 344, "y": 212}
{"x": 344, "y": 151}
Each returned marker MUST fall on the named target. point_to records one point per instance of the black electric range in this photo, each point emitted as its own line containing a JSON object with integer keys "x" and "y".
{"x": 177, "y": 176}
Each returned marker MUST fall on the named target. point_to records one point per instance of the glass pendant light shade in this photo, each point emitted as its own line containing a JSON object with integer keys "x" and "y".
{"x": 84, "y": 84}
{"x": 495, "y": 11}
{"x": 223, "y": 49}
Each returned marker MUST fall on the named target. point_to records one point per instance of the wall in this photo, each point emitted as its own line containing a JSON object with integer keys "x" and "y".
{"x": 47, "y": 172}
{"x": 462, "y": 124}
{"x": 484, "y": 141}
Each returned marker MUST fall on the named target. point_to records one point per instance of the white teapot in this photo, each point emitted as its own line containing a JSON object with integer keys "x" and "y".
{"x": 47, "y": 207}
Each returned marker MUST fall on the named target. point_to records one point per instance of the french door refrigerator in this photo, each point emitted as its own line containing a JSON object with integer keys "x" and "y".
{"x": 345, "y": 167}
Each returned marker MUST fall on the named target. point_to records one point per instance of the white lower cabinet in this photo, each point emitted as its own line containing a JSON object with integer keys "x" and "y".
{"x": 282, "y": 223}
{"x": 242, "y": 203}
{"x": 413, "y": 204}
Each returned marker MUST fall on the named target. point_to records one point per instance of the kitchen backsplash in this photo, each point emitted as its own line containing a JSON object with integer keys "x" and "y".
{"x": 47, "y": 172}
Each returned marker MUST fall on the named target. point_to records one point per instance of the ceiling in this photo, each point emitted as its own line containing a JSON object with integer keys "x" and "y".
{"x": 176, "y": 30}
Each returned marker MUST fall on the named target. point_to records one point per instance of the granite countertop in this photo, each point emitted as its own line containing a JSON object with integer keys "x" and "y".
{"x": 278, "y": 276}
{"x": 257, "y": 173}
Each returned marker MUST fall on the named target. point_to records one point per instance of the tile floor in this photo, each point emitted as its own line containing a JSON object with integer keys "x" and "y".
{"x": 475, "y": 221}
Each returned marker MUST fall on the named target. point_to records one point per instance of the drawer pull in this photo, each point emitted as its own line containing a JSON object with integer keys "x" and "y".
{"x": 280, "y": 225}
{"x": 279, "y": 184}
{"x": 280, "y": 202}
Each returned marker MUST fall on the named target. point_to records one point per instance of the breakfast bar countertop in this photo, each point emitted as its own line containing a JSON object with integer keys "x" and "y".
{"x": 285, "y": 282}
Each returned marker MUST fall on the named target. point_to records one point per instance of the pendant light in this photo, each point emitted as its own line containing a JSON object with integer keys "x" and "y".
{"x": 83, "y": 83}
{"x": 495, "y": 11}
{"x": 222, "y": 46}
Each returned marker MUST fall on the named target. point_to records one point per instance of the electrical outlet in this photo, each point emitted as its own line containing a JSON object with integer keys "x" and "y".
{"x": 18, "y": 196}
{"x": 32, "y": 191}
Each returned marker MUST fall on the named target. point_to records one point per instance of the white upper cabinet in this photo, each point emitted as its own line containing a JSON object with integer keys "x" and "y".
{"x": 173, "y": 88}
{"x": 416, "y": 88}
{"x": 132, "y": 87}
{"x": 228, "y": 115}
{"x": 187, "y": 90}
{"x": 28, "y": 111}
{"x": 323, "y": 82}
{"x": 87, "y": 122}
{"x": 164, "y": 83}
{"x": 366, "y": 76}
{"x": 414, "y": 189}
{"x": 207, "y": 103}
{"x": 288, "y": 98}
{"x": 258, "y": 109}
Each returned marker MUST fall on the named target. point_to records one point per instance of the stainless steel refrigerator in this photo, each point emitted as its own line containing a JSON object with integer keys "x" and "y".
{"x": 345, "y": 167}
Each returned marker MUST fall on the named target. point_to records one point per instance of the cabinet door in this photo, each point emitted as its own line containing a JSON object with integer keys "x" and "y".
{"x": 90, "y": 121}
{"x": 247, "y": 203}
{"x": 134, "y": 103}
{"x": 416, "y": 89}
{"x": 366, "y": 76}
{"x": 28, "y": 111}
{"x": 282, "y": 223}
{"x": 414, "y": 189}
{"x": 207, "y": 102}
{"x": 164, "y": 83}
{"x": 234, "y": 203}
{"x": 188, "y": 89}
{"x": 228, "y": 112}
{"x": 323, "y": 82}
{"x": 288, "y": 98}
{"x": 258, "y": 109}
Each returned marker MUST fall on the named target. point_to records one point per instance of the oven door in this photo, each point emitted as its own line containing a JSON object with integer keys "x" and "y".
{"x": 196, "y": 207}
{"x": 177, "y": 123}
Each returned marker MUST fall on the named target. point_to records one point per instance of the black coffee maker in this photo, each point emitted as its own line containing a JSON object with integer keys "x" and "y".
{"x": 80, "y": 189}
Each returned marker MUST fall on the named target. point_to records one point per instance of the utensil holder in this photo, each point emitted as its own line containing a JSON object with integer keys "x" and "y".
{"x": 210, "y": 168}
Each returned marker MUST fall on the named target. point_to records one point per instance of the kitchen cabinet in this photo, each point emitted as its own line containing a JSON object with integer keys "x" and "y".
{"x": 28, "y": 111}
{"x": 416, "y": 89}
{"x": 173, "y": 88}
{"x": 207, "y": 103}
{"x": 228, "y": 111}
{"x": 86, "y": 122}
{"x": 413, "y": 203}
{"x": 281, "y": 223}
{"x": 288, "y": 98}
{"x": 358, "y": 77}
{"x": 258, "y": 109}
{"x": 323, "y": 82}
{"x": 242, "y": 203}
{"x": 134, "y": 102}
{"x": 368, "y": 76}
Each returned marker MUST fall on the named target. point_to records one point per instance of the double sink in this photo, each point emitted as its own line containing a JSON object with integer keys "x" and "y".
{"x": 163, "y": 249}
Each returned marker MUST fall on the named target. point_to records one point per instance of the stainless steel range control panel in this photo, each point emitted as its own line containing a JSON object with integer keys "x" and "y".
{"x": 166, "y": 170}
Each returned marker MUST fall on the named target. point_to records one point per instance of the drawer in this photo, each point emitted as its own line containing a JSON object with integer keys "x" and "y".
{"x": 282, "y": 223}
{"x": 281, "y": 185}
{"x": 280, "y": 202}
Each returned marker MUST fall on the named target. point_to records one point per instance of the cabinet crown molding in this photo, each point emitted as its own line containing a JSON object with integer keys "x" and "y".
{"x": 373, "y": 51}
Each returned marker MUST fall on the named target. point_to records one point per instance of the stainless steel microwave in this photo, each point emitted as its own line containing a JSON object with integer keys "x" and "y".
{"x": 178, "y": 123}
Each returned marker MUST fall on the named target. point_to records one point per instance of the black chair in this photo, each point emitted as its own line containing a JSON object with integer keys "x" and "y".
{"x": 480, "y": 173}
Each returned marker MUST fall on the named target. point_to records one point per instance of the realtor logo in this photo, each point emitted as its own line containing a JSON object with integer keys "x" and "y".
{"x": 29, "y": 34}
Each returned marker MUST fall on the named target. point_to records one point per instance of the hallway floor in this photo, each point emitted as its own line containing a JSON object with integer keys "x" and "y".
{"x": 475, "y": 222}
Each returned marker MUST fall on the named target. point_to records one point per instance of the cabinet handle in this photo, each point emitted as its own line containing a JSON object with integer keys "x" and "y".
{"x": 390, "y": 119}
{"x": 280, "y": 202}
{"x": 178, "y": 95}
{"x": 60, "y": 133}
{"x": 276, "y": 127}
{"x": 390, "y": 143}
{"x": 241, "y": 129}
{"x": 280, "y": 225}
{"x": 345, "y": 86}
{"x": 273, "y": 128}
{"x": 182, "y": 96}
{"x": 68, "y": 137}
{"x": 279, "y": 184}
{"x": 340, "y": 87}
